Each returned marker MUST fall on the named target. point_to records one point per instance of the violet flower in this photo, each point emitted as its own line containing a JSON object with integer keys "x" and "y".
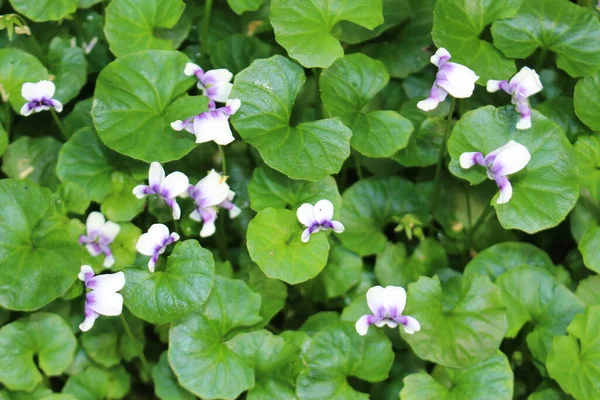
{"x": 215, "y": 84}
{"x": 168, "y": 188}
{"x": 523, "y": 85}
{"x": 452, "y": 78}
{"x": 317, "y": 218}
{"x": 211, "y": 125}
{"x": 505, "y": 160}
{"x": 100, "y": 234}
{"x": 101, "y": 297}
{"x": 154, "y": 242}
{"x": 387, "y": 305}
{"x": 39, "y": 97}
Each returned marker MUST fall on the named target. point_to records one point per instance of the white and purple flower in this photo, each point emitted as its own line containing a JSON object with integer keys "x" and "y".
{"x": 154, "y": 242}
{"x": 101, "y": 297}
{"x": 505, "y": 160}
{"x": 100, "y": 234}
{"x": 212, "y": 124}
{"x": 215, "y": 84}
{"x": 452, "y": 78}
{"x": 168, "y": 188}
{"x": 317, "y": 218}
{"x": 523, "y": 85}
{"x": 210, "y": 193}
{"x": 387, "y": 305}
{"x": 39, "y": 97}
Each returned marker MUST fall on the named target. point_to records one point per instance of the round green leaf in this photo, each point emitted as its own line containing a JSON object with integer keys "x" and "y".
{"x": 587, "y": 100}
{"x": 45, "y": 336}
{"x": 44, "y": 10}
{"x": 38, "y": 258}
{"x": 458, "y": 25}
{"x": 91, "y": 384}
{"x": 166, "y": 386}
{"x": 336, "y": 353}
{"x": 79, "y": 117}
{"x": 236, "y": 52}
{"x": 200, "y": 348}
{"x": 546, "y": 190}
{"x": 130, "y": 25}
{"x": 69, "y": 66}
{"x": 346, "y": 87}
{"x": 490, "y": 379}
{"x": 137, "y": 97}
{"x": 34, "y": 159}
{"x": 304, "y": 29}
{"x": 273, "y": 241}
{"x": 587, "y": 152}
{"x": 73, "y": 197}
{"x": 369, "y": 205}
{"x": 16, "y": 68}
{"x": 342, "y": 272}
{"x": 120, "y": 205}
{"x": 557, "y": 25}
{"x": 589, "y": 245}
{"x": 472, "y": 319}
{"x": 163, "y": 296}
{"x": 534, "y": 295}
{"x": 588, "y": 292}
{"x": 269, "y": 188}
{"x": 574, "y": 360}
{"x": 560, "y": 110}
{"x": 423, "y": 147}
{"x": 310, "y": 150}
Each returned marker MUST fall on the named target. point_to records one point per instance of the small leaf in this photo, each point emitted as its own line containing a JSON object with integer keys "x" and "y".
{"x": 589, "y": 245}
{"x": 16, "y": 68}
{"x": 91, "y": 384}
{"x": 587, "y": 100}
{"x": 166, "y": 386}
{"x": 588, "y": 292}
{"x": 69, "y": 66}
{"x": 34, "y": 159}
{"x": 73, "y": 197}
{"x": 44, "y": 10}
{"x": 342, "y": 272}
{"x": 587, "y": 152}
{"x": 241, "y": 6}
{"x": 120, "y": 205}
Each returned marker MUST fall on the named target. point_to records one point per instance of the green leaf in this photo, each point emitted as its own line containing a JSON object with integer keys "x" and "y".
{"x": 557, "y": 25}
{"x": 304, "y": 29}
{"x": 534, "y": 295}
{"x": 38, "y": 259}
{"x": 587, "y": 290}
{"x": 86, "y": 161}
{"x": 79, "y": 117}
{"x": 370, "y": 205}
{"x": 16, "y": 68}
{"x": 471, "y": 316}
{"x": 120, "y": 205}
{"x": 3, "y": 139}
{"x": 236, "y": 52}
{"x": 241, "y": 6}
{"x": 489, "y": 379}
{"x": 587, "y": 152}
{"x": 589, "y": 245}
{"x": 73, "y": 197}
{"x": 502, "y": 257}
{"x": 273, "y": 241}
{"x": 45, "y": 336}
{"x": 45, "y": 10}
{"x": 133, "y": 106}
{"x": 346, "y": 87}
{"x": 163, "y": 296}
{"x": 587, "y": 100}
{"x": 130, "y": 25}
{"x": 573, "y": 360}
{"x": 69, "y": 66}
{"x": 166, "y": 386}
{"x": 91, "y": 384}
{"x": 423, "y": 147}
{"x": 336, "y": 353}
{"x": 34, "y": 159}
{"x": 269, "y": 188}
{"x": 458, "y": 25}
{"x": 200, "y": 350}
{"x": 310, "y": 150}
{"x": 546, "y": 190}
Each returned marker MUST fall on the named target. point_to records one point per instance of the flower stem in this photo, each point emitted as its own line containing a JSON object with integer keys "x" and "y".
{"x": 540, "y": 61}
{"x": 357, "y": 165}
{"x": 438, "y": 168}
{"x": 59, "y": 124}
{"x": 482, "y": 217}
{"x": 223, "y": 160}
{"x": 205, "y": 24}
{"x": 140, "y": 352}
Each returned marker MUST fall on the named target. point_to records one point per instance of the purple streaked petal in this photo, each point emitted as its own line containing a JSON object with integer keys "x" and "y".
{"x": 436, "y": 96}
{"x": 468, "y": 159}
{"x": 375, "y": 299}
{"x": 505, "y": 189}
{"x": 363, "y": 323}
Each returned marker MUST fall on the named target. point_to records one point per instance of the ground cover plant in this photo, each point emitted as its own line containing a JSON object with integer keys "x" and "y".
{"x": 300, "y": 199}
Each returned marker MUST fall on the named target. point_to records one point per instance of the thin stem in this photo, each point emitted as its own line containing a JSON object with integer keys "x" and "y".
{"x": 8, "y": 126}
{"x": 223, "y": 160}
{"x": 222, "y": 240}
{"x": 486, "y": 212}
{"x": 357, "y": 165}
{"x": 540, "y": 61}
{"x": 135, "y": 342}
{"x": 205, "y": 24}
{"x": 59, "y": 124}
{"x": 438, "y": 168}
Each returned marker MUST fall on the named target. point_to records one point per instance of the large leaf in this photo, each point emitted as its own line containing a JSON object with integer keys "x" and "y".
{"x": 16, "y": 68}
{"x": 587, "y": 100}
{"x": 304, "y": 28}
{"x": 274, "y": 243}
{"x": 560, "y": 109}
{"x": 589, "y": 245}
{"x": 574, "y": 360}
{"x": 166, "y": 386}
{"x": 90, "y": 384}
{"x": 44, "y": 10}
{"x": 546, "y": 190}
{"x": 69, "y": 66}
{"x": 34, "y": 159}
{"x": 336, "y": 353}
{"x": 471, "y": 316}
{"x": 38, "y": 259}
{"x": 458, "y": 25}
{"x": 45, "y": 336}
{"x": 164, "y": 296}
{"x": 557, "y": 25}
{"x": 137, "y": 97}
{"x": 130, "y": 24}
{"x": 200, "y": 350}
{"x": 587, "y": 151}
{"x": 310, "y": 150}
{"x": 236, "y": 52}
{"x": 490, "y": 379}
{"x": 588, "y": 292}
{"x": 346, "y": 87}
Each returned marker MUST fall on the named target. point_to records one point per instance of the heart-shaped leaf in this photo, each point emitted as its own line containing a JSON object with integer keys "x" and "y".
{"x": 304, "y": 29}
{"x": 166, "y": 386}
{"x": 69, "y": 66}
{"x": 90, "y": 384}
{"x": 346, "y": 87}
{"x": 310, "y": 150}
{"x": 200, "y": 350}
{"x": 34, "y": 241}
{"x": 587, "y": 100}
{"x": 536, "y": 203}
{"x": 16, "y": 68}
{"x": 163, "y": 296}
{"x": 274, "y": 243}
{"x": 45, "y": 336}
{"x": 44, "y": 10}
{"x": 34, "y": 159}
{"x": 473, "y": 320}
{"x": 557, "y": 25}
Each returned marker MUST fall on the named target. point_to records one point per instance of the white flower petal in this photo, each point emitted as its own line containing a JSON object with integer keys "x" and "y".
{"x": 394, "y": 300}
{"x": 95, "y": 222}
{"x": 524, "y": 123}
{"x": 390, "y": 322}
{"x": 506, "y": 191}
{"x": 211, "y": 190}
{"x": 109, "y": 261}
{"x": 85, "y": 272}
{"x": 30, "y": 91}
{"x": 428, "y": 104}
{"x": 191, "y": 69}
{"x": 216, "y": 76}
{"x": 306, "y": 215}
{"x": 306, "y": 235}
{"x": 375, "y": 300}
{"x": 208, "y": 229}
{"x": 233, "y": 105}
{"x": 323, "y": 211}
{"x": 234, "y": 211}
{"x": 110, "y": 230}
{"x": 493, "y": 86}
{"x": 151, "y": 240}
{"x": 93, "y": 250}
{"x": 105, "y": 303}
{"x": 511, "y": 158}
{"x": 206, "y": 126}
{"x": 107, "y": 282}
{"x": 457, "y": 80}
{"x": 411, "y": 326}
{"x": 220, "y": 91}
{"x": 467, "y": 160}
{"x": 527, "y": 82}
{"x": 175, "y": 183}
{"x": 440, "y": 53}
{"x": 178, "y": 125}
{"x": 338, "y": 227}
{"x": 156, "y": 174}
{"x": 362, "y": 325}
{"x": 58, "y": 106}
{"x": 25, "y": 110}
{"x": 88, "y": 322}
{"x": 139, "y": 191}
